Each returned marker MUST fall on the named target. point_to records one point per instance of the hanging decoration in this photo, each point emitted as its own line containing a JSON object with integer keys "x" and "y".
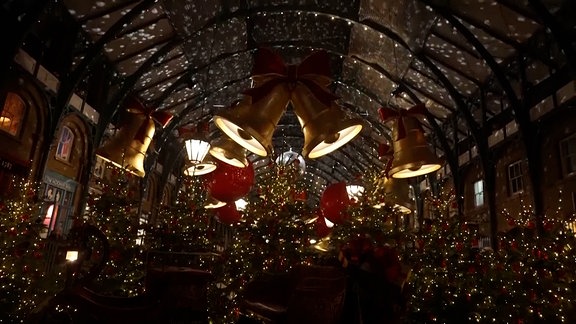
{"x": 127, "y": 148}
{"x": 197, "y": 148}
{"x": 229, "y": 183}
{"x": 412, "y": 156}
{"x": 228, "y": 214}
{"x": 334, "y": 202}
{"x": 252, "y": 122}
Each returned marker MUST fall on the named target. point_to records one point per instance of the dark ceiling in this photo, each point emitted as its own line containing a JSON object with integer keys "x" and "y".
{"x": 194, "y": 58}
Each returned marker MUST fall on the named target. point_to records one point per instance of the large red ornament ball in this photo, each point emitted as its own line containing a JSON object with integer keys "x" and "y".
{"x": 228, "y": 214}
{"x": 322, "y": 229}
{"x": 229, "y": 183}
{"x": 334, "y": 202}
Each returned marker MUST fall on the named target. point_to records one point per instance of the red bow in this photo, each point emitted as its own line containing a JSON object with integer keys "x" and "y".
{"x": 387, "y": 114}
{"x": 313, "y": 72}
{"x": 187, "y": 132}
{"x": 162, "y": 117}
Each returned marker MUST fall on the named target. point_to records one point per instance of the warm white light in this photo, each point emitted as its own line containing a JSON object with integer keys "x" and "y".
{"x": 329, "y": 224}
{"x": 344, "y": 136}
{"x": 241, "y": 204}
{"x": 414, "y": 172}
{"x": 71, "y": 256}
{"x": 313, "y": 241}
{"x": 213, "y": 203}
{"x": 240, "y": 136}
{"x": 355, "y": 191}
{"x": 197, "y": 169}
{"x": 196, "y": 150}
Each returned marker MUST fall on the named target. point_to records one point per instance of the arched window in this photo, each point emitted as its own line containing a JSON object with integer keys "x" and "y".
{"x": 12, "y": 114}
{"x": 65, "y": 144}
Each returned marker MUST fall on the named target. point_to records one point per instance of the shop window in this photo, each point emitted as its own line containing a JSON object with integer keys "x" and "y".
{"x": 515, "y": 183}
{"x": 65, "y": 142}
{"x": 57, "y": 217}
{"x": 568, "y": 154}
{"x": 479, "y": 193}
{"x": 12, "y": 114}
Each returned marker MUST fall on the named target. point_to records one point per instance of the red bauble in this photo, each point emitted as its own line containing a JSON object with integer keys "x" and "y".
{"x": 228, "y": 183}
{"x": 334, "y": 202}
{"x": 322, "y": 230}
{"x": 228, "y": 214}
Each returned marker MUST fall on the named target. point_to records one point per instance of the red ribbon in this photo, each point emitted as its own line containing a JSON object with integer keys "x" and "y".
{"x": 187, "y": 132}
{"x": 312, "y": 71}
{"x": 161, "y": 117}
{"x": 387, "y": 114}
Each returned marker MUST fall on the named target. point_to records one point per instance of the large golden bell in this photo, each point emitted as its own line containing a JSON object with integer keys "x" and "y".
{"x": 252, "y": 124}
{"x": 412, "y": 156}
{"x": 227, "y": 150}
{"x": 397, "y": 193}
{"x": 326, "y": 128}
{"x": 124, "y": 150}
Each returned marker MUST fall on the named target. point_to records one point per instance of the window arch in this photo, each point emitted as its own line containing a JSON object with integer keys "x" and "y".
{"x": 12, "y": 114}
{"x": 64, "y": 149}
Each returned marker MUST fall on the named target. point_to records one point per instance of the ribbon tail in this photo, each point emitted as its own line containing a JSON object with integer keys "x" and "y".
{"x": 401, "y": 128}
{"x": 162, "y": 117}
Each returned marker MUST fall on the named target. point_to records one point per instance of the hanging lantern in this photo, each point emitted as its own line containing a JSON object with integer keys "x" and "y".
{"x": 326, "y": 128}
{"x": 227, "y": 150}
{"x": 197, "y": 148}
{"x": 412, "y": 156}
{"x": 127, "y": 148}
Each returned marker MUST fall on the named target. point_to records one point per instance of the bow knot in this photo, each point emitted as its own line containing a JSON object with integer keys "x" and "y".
{"x": 270, "y": 71}
{"x": 135, "y": 107}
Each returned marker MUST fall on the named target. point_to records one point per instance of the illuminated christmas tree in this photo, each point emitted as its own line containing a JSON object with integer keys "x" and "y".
{"x": 186, "y": 225}
{"x": 24, "y": 284}
{"x": 530, "y": 279}
{"x": 115, "y": 212}
{"x": 273, "y": 236}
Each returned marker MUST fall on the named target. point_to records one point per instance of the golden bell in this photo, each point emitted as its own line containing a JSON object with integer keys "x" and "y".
{"x": 124, "y": 150}
{"x": 326, "y": 128}
{"x": 252, "y": 124}
{"x": 397, "y": 193}
{"x": 412, "y": 156}
{"x": 227, "y": 150}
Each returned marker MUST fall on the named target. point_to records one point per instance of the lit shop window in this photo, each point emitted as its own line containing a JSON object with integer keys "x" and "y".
{"x": 12, "y": 114}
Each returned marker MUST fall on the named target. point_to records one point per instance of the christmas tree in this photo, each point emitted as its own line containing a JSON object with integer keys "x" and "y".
{"x": 529, "y": 279}
{"x": 25, "y": 285}
{"x": 114, "y": 211}
{"x": 273, "y": 236}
